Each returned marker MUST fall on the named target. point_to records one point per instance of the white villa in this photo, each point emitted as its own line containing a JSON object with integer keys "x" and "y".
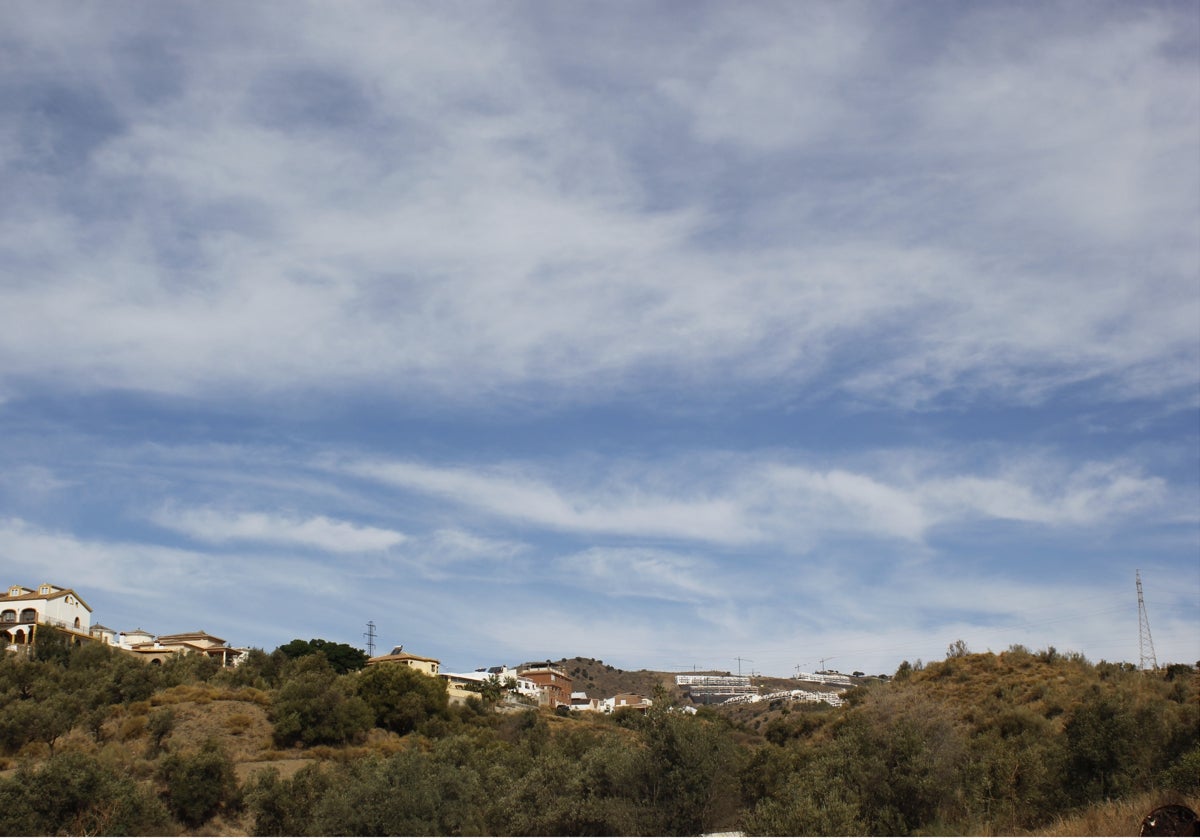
{"x": 22, "y": 609}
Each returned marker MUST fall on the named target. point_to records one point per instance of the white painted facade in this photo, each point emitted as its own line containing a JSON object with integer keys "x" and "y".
{"x": 22, "y": 609}
{"x": 525, "y": 687}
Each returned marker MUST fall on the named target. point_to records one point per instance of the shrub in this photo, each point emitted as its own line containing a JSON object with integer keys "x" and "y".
{"x": 238, "y": 723}
{"x": 400, "y": 698}
{"x": 159, "y": 726}
{"x": 312, "y": 707}
{"x": 132, "y": 727}
{"x": 77, "y": 795}
{"x": 199, "y": 785}
{"x": 1184, "y": 775}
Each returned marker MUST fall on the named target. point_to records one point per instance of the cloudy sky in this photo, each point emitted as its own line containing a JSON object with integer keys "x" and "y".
{"x": 667, "y": 333}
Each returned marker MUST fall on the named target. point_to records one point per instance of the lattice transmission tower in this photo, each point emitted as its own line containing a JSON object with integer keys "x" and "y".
{"x": 370, "y": 634}
{"x": 1145, "y": 641}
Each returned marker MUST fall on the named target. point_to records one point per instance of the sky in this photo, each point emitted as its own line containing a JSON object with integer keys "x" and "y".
{"x": 757, "y": 337}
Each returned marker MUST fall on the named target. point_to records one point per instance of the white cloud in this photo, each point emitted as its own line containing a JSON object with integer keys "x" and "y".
{"x": 124, "y": 567}
{"x": 777, "y": 82}
{"x": 32, "y": 482}
{"x": 514, "y": 494}
{"x": 643, "y": 573}
{"x": 316, "y": 532}
{"x": 1043, "y": 491}
{"x": 757, "y": 500}
{"x": 1087, "y": 125}
{"x": 466, "y": 239}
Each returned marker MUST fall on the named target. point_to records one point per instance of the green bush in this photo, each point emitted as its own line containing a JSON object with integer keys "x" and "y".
{"x": 77, "y": 795}
{"x": 1184, "y": 775}
{"x": 313, "y": 707}
{"x": 159, "y": 725}
{"x": 342, "y": 657}
{"x": 400, "y": 698}
{"x": 199, "y": 784}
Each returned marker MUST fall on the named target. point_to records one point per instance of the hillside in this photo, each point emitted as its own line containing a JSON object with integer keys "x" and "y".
{"x": 600, "y": 680}
{"x": 1011, "y": 743}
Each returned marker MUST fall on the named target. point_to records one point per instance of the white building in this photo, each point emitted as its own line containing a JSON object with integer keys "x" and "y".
{"x": 525, "y": 687}
{"x": 22, "y": 609}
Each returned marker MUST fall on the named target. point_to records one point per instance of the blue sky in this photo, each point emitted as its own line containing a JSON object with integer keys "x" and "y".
{"x": 663, "y": 333}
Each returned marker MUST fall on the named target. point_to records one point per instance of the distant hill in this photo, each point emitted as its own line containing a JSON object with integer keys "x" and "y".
{"x": 601, "y": 680}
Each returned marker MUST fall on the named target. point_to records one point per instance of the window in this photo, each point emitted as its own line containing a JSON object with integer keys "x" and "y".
{"x": 9, "y": 616}
{"x": 76, "y": 622}
{"x": 28, "y": 615}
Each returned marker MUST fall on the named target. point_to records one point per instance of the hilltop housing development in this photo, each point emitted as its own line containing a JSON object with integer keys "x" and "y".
{"x": 24, "y": 610}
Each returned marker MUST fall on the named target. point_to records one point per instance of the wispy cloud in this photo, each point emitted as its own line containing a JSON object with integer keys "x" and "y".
{"x": 754, "y": 499}
{"x": 643, "y": 573}
{"x": 319, "y": 532}
{"x": 407, "y": 231}
{"x": 514, "y": 494}
{"x": 678, "y": 327}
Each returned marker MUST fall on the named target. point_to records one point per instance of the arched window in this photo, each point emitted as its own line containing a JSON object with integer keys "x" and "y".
{"x": 8, "y": 617}
{"x": 76, "y": 622}
{"x": 29, "y": 616}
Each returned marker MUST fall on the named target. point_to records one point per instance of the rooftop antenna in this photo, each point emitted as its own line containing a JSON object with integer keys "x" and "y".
{"x": 370, "y": 634}
{"x": 1145, "y": 642}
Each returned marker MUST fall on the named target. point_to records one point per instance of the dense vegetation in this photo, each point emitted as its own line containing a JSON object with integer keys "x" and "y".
{"x": 291, "y": 744}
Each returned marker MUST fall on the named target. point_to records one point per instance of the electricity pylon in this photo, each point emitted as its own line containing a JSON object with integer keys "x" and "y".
{"x": 370, "y": 634}
{"x": 1145, "y": 641}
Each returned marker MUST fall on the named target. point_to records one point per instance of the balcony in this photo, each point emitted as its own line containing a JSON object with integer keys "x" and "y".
{"x": 26, "y": 617}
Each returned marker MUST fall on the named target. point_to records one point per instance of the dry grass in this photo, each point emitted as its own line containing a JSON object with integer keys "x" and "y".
{"x": 241, "y": 728}
{"x": 1121, "y": 818}
{"x": 286, "y": 767}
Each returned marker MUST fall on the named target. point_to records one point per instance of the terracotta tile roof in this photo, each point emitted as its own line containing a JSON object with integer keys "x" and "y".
{"x": 402, "y": 657}
{"x": 28, "y": 594}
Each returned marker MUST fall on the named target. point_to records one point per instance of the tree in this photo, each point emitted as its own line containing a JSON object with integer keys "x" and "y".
{"x": 52, "y": 719}
{"x": 199, "y": 784}
{"x": 342, "y": 657}
{"x": 159, "y": 725}
{"x": 257, "y": 670}
{"x": 1101, "y": 738}
{"x": 400, "y": 698}
{"x": 687, "y": 771}
{"x": 957, "y": 649}
{"x": 492, "y": 690}
{"x": 312, "y": 707}
{"x": 76, "y": 795}
{"x": 51, "y": 645}
{"x": 187, "y": 668}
